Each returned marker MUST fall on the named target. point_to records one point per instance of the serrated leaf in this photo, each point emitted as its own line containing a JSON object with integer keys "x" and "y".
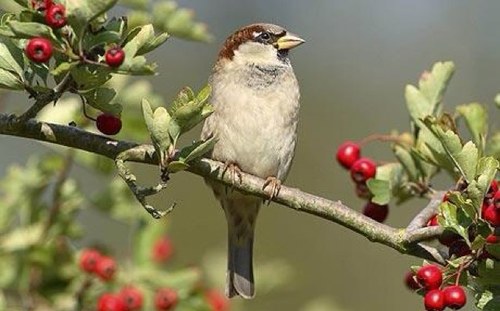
{"x": 476, "y": 119}
{"x": 10, "y": 81}
{"x": 454, "y": 219}
{"x": 434, "y": 84}
{"x": 463, "y": 159}
{"x": 486, "y": 170}
{"x": 8, "y": 62}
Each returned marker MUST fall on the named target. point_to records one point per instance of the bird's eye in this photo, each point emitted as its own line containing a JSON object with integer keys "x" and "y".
{"x": 265, "y": 36}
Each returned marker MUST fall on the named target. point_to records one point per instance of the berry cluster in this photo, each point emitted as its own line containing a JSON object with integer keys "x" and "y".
{"x": 490, "y": 212}
{"x": 361, "y": 169}
{"x": 130, "y": 297}
{"x": 429, "y": 279}
{"x": 39, "y": 50}
{"x": 94, "y": 262}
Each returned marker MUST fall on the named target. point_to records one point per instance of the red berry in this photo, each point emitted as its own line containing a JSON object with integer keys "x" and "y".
{"x": 216, "y": 300}
{"x": 110, "y": 302}
{"x": 430, "y": 276}
{"x": 491, "y": 215}
{"x": 492, "y": 190}
{"x": 454, "y": 297}
{"x": 348, "y": 153}
{"x": 89, "y": 259}
{"x": 410, "y": 281}
{"x": 114, "y": 57}
{"x": 434, "y": 300}
{"x": 496, "y": 200}
{"x": 433, "y": 221}
{"x": 108, "y": 124}
{"x": 39, "y": 50}
{"x": 132, "y": 298}
{"x": 363, "y": 169}
{"x": 492, "y": 239}
{"x": 165, "y": 299}
{"x": 106, "y": 268}
{"x": 162, "y": 250}
{"x": 55, "y": 16}
{"x": 376, "y": 212}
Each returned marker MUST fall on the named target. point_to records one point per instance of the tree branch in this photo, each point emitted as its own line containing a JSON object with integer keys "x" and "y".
{"x": 402, "y": 240}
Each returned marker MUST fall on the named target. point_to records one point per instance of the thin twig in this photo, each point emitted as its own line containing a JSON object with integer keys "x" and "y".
{"x": 421, "y": 219}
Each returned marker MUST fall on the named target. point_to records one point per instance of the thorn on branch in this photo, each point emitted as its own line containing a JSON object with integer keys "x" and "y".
{"x": 141, "y": 193}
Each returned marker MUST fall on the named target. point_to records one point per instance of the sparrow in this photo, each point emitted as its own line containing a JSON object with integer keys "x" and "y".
{"x": 255, "y": 96}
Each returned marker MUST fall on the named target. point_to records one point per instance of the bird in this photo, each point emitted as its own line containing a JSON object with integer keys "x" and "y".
{"x": 255, "y": 96}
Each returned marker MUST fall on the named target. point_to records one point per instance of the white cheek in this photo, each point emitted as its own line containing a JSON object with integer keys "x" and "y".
{"x": 257, "y": 53}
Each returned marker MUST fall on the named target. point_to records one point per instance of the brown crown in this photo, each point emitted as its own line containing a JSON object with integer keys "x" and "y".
{"x": 236, "y": 39}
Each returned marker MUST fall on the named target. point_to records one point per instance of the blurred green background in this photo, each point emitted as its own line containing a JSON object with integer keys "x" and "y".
{"x": 352, "y": 71}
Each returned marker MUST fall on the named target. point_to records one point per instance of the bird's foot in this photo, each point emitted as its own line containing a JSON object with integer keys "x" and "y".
{"x": 234, "y": 172}
{"x": 275, "y": 185}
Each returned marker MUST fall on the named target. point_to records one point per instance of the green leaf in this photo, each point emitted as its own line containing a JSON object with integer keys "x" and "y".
{"x": 10, "y": 81}
{"x": 101, "y": 99}
{"x": 137, "y": 38}
{"x": 30, "y": 30}
{"x": 493, "y": 146}
{"x": 204, "y": 94}
{"x": 450, "y": 151}
{"x": 196, "y": 150}
{"x": 454, "y": 219}
{"x": 153, "y": 44}
{"x": 426, "y": 100}
{"x": 80, "y": 13}
{"x": 63, "y": 68}
{"x": 8, "y": 62}
{"x": 486, "y": 170}
{"x": 381, "y": 191}
{"x": 476, "y": 119}
{"x": 406, "y": 159}
{"x": 87, "y": 78}
{"x": 177, "y": 166}
{"x": 158, "y": 123}
{"x": 434, "y": 85}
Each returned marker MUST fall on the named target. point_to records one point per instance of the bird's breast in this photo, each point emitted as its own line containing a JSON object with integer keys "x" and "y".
{"x": 255, "y": 119}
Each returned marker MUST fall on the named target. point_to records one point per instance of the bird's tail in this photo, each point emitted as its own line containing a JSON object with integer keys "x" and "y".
{"x": 241, "y": 216}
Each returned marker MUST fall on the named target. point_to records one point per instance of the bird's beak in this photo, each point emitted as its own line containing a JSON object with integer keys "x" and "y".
{"x": 289, "y": 41}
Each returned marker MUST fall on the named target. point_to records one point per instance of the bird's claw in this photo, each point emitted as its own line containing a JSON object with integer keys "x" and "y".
{"x": 234, "y": 172}
{"x": 275, "y": 185}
